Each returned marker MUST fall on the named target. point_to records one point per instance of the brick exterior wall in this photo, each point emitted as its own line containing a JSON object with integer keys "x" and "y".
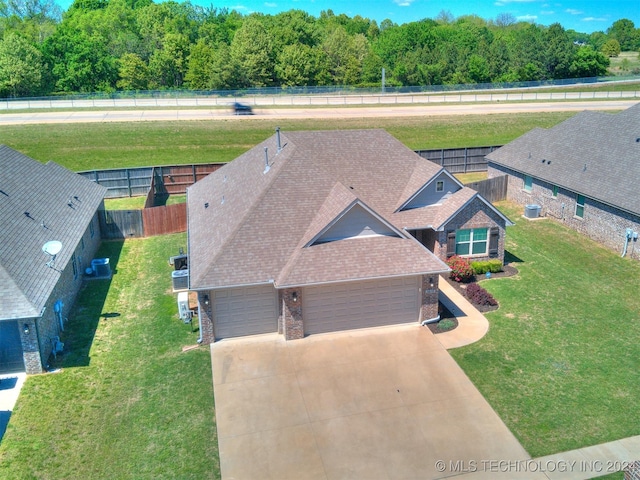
{"x": 37, "y": 344}
{"x": 291, "y": 313}
{"x": 429, "y": 303}
{"x": 205, "y": 314}
{"x": 602, "y": 223}
{"x": 632, "y": 472}
{"x": 476, "y": 215}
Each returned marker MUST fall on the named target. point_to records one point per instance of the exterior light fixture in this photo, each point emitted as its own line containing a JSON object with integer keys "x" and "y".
{"x": 431, "y": 282}
{"x": 294, "y": 296}
{"x": 206, "y": 299}
{"x": 25, "y": 329}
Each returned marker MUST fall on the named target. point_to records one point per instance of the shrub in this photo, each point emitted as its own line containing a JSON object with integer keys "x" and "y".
{"x": 461, "y": 270}
{"x": 478, "y": 295}
{"x": 493, "y": 266}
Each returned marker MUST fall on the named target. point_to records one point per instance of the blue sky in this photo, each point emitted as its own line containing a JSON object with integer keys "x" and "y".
{"x": 583, "y": 16}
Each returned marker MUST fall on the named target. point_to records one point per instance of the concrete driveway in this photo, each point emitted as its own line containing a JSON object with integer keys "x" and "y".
{"x": 385, "y": 403}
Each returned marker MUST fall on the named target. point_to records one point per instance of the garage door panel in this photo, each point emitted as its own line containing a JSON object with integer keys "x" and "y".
{"x": 361, "y": 304}
{"x": 245, "y": 311}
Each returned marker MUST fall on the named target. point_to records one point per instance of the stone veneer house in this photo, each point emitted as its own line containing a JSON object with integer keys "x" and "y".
{"x": 313, "y": 232}
{"x": 39, "y": 204}
{"x": 583, "y": 172}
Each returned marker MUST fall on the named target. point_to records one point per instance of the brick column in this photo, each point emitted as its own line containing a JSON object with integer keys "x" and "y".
{"x": 292, "y": 322}
{"x": 429, "y": 305}
{"x": 205, "y": 312}
{"x": 632, "y": 472}
{"x": 30, "y": 347}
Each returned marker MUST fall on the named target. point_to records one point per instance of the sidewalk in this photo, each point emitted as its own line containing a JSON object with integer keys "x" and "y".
{"x": 10, "y": 385}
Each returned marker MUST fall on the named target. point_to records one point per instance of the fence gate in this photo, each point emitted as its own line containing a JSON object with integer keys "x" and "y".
{"x": 117, "y": 224}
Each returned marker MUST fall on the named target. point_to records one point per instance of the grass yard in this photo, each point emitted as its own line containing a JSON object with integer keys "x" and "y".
{"x": 560, "y": 361}
{"x": 92, "y": 146}
{"x": 127, "y": 403}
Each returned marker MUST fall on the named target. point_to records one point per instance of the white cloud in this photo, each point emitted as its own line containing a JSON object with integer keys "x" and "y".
{"x": 527, "y": 18}
{"x": 547, "y": 12}
{"x": 403, "y": 3}
{"x": 270, "y": 4}
{"x": 573, "y": 11}
{"x": 501, "y": 3}
{"x": 595, "y": 19}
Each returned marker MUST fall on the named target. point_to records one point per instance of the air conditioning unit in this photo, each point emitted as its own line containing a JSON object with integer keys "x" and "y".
{"x": 532, "y": 211}
{"x": 100, "y": 267}
{"x": 180, "y": 280}
{"x": 183, "y": 307}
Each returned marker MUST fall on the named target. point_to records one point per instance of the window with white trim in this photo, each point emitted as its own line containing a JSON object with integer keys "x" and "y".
{"x": 472, "y": 241}
{"x": 580, "y": 206}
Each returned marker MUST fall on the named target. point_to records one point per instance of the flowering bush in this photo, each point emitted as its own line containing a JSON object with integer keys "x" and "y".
{"x": 461, "y": 269}
{"x": 480, "y": 296}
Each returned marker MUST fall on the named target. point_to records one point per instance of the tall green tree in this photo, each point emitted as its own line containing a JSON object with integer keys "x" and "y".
{"x": 588, "y": 63}
{"x": 625, "y": 32}
{"x": 133, "y": 73}
{"x": 252, "y": 50}
{"x": 20, "y": 67}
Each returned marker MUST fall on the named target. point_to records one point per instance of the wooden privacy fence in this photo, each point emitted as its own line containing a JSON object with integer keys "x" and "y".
{"x": 459, "y": 160}
{"x": 492, "y": 189}
{"x": 132, "y": 182}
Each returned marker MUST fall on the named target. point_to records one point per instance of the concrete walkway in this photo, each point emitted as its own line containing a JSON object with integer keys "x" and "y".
{"x": 10, "y": 385}
{"x": 472, "y": 325}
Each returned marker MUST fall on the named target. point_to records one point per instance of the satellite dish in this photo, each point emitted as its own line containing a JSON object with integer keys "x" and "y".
{"x": 52, "y": 248}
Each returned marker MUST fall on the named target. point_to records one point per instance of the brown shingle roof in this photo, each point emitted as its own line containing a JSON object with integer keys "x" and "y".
{"x": 267, "y": 218}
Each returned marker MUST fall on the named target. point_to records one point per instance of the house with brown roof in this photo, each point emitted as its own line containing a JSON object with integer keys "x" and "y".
{"x": 583, "y": 172}
{"x": 313, "y": 232}
{"x": 49, "y": 236}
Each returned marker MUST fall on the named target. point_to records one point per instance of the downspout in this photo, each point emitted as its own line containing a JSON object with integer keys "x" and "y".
{"x": 431, "y": 320}
{"x": 627, "y": 238}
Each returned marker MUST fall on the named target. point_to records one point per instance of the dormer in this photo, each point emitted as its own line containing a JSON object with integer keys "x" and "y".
{"x": 434, "y": 192}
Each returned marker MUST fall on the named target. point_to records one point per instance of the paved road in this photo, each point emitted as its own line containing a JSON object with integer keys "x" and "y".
{"x": 141, "y": 115}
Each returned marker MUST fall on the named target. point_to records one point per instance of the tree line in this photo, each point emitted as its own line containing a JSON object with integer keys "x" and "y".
{"x": 110, "y": 45}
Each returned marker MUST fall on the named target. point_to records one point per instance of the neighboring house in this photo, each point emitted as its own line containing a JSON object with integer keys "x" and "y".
{"x": 583, "y": 172}
{"x": 41, "y": 205}
{"x": 313, "y": 232}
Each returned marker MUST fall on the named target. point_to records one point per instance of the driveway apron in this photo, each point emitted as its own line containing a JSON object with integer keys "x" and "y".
{"x": 385, "y": 403}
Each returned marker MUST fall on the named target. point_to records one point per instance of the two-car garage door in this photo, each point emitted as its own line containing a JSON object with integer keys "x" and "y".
{"x": 373, "y": 303}
{"x": 245, "y": 311}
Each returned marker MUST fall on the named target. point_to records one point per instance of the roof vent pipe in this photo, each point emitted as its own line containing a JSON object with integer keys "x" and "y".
{"x": 266, "y": 160}
{"x": 278, "y": 139}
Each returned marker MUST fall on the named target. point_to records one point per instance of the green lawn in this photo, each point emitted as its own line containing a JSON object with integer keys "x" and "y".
{"x": 117, "y": 145}
{"x": 128, "y": 403}
{"x": 560, "y": 361}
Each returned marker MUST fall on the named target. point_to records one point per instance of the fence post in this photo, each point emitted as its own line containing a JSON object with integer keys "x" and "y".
{"x": 194, "y": 173}
{"x": 442, "y": 157}
{"x": 465, "y": 160}
{"x": 128, "y": 181}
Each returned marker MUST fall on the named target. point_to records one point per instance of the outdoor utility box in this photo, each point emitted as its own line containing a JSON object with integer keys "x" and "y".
{"x": 180, "y": 262}
{"x": 183, "y": 307}
{"x": 101, "y": 267}
{"x": 180, "y": 280}
{"x": 532, "y": 211}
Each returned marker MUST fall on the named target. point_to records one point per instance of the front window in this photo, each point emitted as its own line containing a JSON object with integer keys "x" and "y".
{"x": 528, "y": 183}
{"x": 580, "y": 206}
{"x": 472, "y": 241}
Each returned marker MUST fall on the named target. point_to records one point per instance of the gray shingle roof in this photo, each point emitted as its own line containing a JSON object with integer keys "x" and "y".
{"x": 34, "y": 209}
{"x": 247, "y": 226}
{"x": 594, "y": 154}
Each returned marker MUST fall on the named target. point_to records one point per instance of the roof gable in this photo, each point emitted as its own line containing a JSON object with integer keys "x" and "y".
{"x": 594, "y": 154}
{"x": 434, "y": 192}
